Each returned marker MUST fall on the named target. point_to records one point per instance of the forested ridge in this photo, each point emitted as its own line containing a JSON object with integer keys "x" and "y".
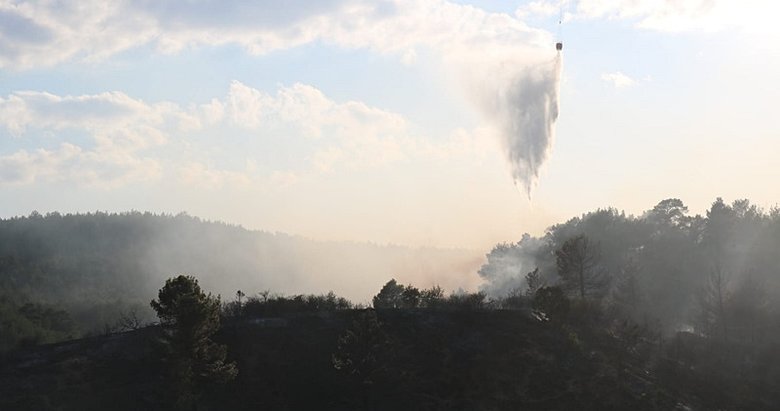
{"x": 95, "y": 268}
{"x": 607, "y": 311}
{"x": 716, "y": 274}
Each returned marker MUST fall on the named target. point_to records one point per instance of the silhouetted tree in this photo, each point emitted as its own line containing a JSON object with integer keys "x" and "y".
{"x": 410, "y": 298}
{"x": 129, "y": 321}
{"x": 390, "y": 296}
{"x": 748, "y": 306}
{"x": 669, "y": 213}
{"x": 239, "y": 296}
{"x": 578, "y": 265}
{"x": 431, "y": 297}
{"x": 551, "y": 301}
{"x": 534, "y": 282}
{"x": 362, "y": 352}
{"x": 466, "y": 301}
{"x": 627, "y": 294}
{"x": 713, "y": 315}
{"x": 189, "y": 318}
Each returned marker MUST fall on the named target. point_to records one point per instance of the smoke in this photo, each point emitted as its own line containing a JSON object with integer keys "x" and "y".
{"x": 519, "y": 96}
{"x": 507, "y": 264}
{"x": 254, "y": 261}
{"x": 528, "y": 109}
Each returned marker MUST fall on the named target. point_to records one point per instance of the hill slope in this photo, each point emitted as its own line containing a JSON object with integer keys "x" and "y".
{"x": 98, "y": 265}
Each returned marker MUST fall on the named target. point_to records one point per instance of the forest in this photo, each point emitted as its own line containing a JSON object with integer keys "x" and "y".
{"x": 101, "y": 269}
{"x": 715, "y": 275}
{"x": 664, "y": 310}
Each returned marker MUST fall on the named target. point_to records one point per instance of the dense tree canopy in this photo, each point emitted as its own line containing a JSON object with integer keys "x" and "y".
{"x": 664, "y": 267}
{"x": 606, "y": 311}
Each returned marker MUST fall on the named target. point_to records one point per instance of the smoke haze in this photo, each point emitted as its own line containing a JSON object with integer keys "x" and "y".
{"x": 662, "y": 263}
{"x": 108, "y": 257}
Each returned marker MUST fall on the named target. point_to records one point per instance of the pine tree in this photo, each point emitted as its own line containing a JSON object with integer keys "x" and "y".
{"x": 189, "y": 318}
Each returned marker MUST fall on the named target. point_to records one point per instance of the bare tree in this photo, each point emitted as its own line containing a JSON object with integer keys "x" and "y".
{"x": 129, "y": 321}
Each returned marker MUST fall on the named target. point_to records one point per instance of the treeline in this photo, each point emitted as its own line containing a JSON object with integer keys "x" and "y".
{"x": 266, "y": 304}
{"x": 99, "y": 267}
{"x": 25, "y": 324}
{"x": 94, "y": 266}
{"x": 391, "y": 296}
{"x": 716, "y": 275}
{"x": 551, "y": 346}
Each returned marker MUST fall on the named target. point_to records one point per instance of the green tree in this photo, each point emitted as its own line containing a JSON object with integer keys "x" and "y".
{"x": 189, "y": 318}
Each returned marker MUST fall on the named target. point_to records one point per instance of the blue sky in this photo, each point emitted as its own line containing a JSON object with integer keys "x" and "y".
{"x": 386, "y": 121}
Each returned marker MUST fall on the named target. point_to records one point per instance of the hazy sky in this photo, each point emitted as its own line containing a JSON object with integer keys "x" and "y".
{"x": 367, "y": 120}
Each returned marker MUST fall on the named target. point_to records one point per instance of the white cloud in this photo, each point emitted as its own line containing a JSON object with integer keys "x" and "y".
{"x": 689, "y": 15}
{"x": 114, "y": 119}
{"x": 39, "y": 33}
{"x": 306, "y": 109}
{"x": 618, "y": 79}
{"x": 119, "y": 127}
{"x": 485, "y": 54}
{"x": 539, "y": 8}
{"x": 71, "y": 163}
{"x": 131, "y": 140}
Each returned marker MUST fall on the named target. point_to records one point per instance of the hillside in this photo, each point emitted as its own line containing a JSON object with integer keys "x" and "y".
{"x": 97, "y": 266}
{"x": 427, "y": 360}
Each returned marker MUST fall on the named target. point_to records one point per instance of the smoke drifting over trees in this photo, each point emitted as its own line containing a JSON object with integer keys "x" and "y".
{"x": 715, "y": 274}
{"x": 98, "y": 267}
{"x": 605, "y": 311}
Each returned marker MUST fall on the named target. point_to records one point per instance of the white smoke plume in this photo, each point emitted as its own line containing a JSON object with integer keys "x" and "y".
{"x": 526, "y": 113}
{"x": 519, "y": 96}
{"x": 507, "y": 265}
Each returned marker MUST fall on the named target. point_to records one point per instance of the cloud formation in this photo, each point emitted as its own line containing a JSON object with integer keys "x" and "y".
{"x": 111, "y": 139}
{"x": 119, "y": 128}
{"x": 38, "y": 33}
{"x": 618, "y": 79}
{"x": 669, "y": 15}
{"x": 495, "y": 58}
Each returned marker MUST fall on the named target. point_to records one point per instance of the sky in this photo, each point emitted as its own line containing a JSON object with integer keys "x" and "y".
{"x": 412, "y": 122}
